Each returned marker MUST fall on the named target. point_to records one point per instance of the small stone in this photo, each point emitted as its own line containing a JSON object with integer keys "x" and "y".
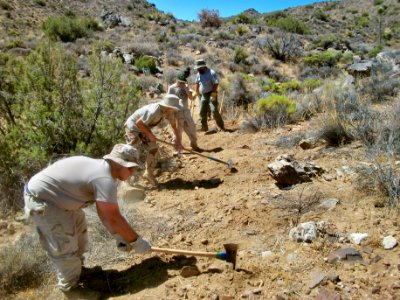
{"x": 389, "y": 242}
{"x": 344, "y": 254}
{"x": 204, "y": 242}
{"x": 189, "y": 271}
{"x": 357, "y": 238}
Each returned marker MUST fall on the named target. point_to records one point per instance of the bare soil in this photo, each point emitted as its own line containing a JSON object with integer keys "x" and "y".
{"x": 201, "y": 205}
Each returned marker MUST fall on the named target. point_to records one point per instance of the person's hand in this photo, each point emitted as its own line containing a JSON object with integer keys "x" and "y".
{"x": 213, "y": 96}
{"x": 141, "y": 245}
{"x": 194, "y": 95}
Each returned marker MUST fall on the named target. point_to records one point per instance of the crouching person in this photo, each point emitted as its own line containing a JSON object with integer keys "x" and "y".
{"x": 55, "y": 197}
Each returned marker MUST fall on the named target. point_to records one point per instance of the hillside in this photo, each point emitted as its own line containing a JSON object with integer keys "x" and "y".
{"x": 312, "y": 91}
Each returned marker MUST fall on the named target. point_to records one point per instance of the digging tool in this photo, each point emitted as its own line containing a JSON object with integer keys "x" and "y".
{"x": 229, "y": 162}
{"x": 229, "y": 255}
{"x": 222, "y": 102}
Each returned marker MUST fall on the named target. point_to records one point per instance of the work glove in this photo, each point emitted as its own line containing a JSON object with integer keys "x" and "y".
{"x": 139, "y": 246}
{"x": 194, "y": 95}
{"x": 213, "y": 96}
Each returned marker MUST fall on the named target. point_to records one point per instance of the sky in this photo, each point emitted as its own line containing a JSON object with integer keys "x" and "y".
{"x": 188, "y": 9}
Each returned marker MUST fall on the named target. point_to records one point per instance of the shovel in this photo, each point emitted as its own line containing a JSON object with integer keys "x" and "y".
{"x": 229, "y": 162}
{"x": 229, "y": 255}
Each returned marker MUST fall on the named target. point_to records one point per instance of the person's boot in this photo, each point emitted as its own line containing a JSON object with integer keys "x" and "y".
{"x": 195, "y": 147}
{"x": 81, "y": 293}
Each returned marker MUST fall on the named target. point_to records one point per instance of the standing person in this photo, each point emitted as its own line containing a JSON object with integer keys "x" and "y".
{"x": 138, "y": 130}
{"x": 55, "y": 197}
{"x": 207, "y": 87}
{"x": 185, "y": 120}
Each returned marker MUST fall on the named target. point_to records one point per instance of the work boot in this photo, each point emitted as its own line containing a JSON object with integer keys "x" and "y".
{"x": 195, "y": 147}
{"x": 81, "y": 293}
{"x": 149, "y": 176}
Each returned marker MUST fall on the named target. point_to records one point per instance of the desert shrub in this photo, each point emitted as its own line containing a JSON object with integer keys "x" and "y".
{"x": 189, "y": 37}
{"x": 275, "y": 110}
{"x": 321, "y": 15}
{"x": 24, "y": 265}
{"x": 209, "y": 18}
{"x": 240, "y": 55}
{"x": 242, "y": 30}
{"x": 145, "y": 62}
{"x": 173, "y": 58}
{"x": 283, "y": 46}
{"x": 290, "y": 141}
{"x": 311, "y": 84}
{"x": 48, "y": 111}
{"x": 143, "y": 48}
{"x": 377, "y": 49}
{"x": 14, "y": 44}
{"x": 287, "y": 23}
{"x": 325, "y": 41}
{"x": 224, "y": 35}
{"x": 40, "y": 2}
{"x": 68, "y": 29}
{"x": 169, "y": 75}
{"x": 243, "y": 19}
{"x": 318, "y": 72}
{"x": 378, "y": 2}
{"x": 380, "y": 88}
{"x": 334, "y": 133}
{"x": 362, "y": 21}
{"x": 239, "y": 95}
{"x": 325, "y": 58}
{"x": 5, "y": 5}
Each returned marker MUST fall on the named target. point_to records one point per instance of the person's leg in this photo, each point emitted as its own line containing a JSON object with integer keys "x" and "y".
{"x": 217, "y": 117}
{"x": 58, "y": 236}
{"x": 204, "y": 106}
{"x": 81, "y": 230}
{"x": 190, "y": 129}
{"x": 151, "y": 162}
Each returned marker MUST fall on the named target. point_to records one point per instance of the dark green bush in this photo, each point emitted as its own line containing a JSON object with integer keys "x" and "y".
{"x": 68, "y": 29}
{"x": 326, "y": 58}
{"x": 146, "y": 62}
{"x": 48, "y": 112}
{"x": 288, "y": 24}
{"x": 240, "y": 55}
{"x": 321, "y": 15}
{"x": 275, "y": 110}
{"x": 244, "y": 19}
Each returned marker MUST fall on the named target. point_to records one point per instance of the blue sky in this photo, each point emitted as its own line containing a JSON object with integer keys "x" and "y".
{"x": 188, "y": 9}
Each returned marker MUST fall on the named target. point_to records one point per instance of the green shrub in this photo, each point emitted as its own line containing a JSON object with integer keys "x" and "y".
{"x": 311, "y": 84}
{"x": 325, "y": 41}
{"x": 290, "y": 86}
{"x": 240, "y": 55}
{"x": 378, "y": 2}
{"x": 362, "y": 21}
{"x": 146, "y": 62}
{"x": 326, "y": 58}
{"x": 289, "y": 24}
{"x": 40, "y": 2}
{"x": 321, "y": 15}
{"x": 276, "y": 110}
{"x": 14, "y": 44}
{"x": 244, "y": 19}
{"x": 375, "y": 51}
{"x": 241, "y": 30}
{"x": 48, "y": 112}
{"x": 5, "y": 5}
{"x": 68, "y": 29}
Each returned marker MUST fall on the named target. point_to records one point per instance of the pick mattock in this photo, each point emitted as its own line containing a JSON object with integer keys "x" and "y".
{"x": 229, "y": 255}
{"x": 229, "y": 162}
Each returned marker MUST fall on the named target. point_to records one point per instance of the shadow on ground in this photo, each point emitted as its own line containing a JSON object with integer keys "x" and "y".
{"x": 148, "y": 274}
{"x": 181, "y": 184}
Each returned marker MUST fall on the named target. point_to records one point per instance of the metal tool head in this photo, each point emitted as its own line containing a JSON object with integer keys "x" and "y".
{"x": 231, "y": 252}
{"x": 229, "y": 162}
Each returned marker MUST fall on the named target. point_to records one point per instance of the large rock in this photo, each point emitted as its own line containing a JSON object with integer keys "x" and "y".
{"x": 305, "y": 232}
{"x": 287, "y": 171}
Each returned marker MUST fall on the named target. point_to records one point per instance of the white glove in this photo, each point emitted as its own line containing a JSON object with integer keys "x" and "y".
{"x": 139, "y": 246}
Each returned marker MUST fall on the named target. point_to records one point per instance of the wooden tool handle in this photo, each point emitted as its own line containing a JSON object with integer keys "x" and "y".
{"x": 184, "y": 252}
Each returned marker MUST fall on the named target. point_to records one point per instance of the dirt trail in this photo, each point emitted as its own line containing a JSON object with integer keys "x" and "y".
{"x": 201, "y": 205}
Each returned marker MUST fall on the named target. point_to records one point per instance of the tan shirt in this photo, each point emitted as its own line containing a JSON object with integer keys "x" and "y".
{"x": 75, "y": 182}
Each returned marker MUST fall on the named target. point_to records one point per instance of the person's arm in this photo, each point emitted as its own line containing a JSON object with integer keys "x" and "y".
{"x": 196, "y": 88}
{"x": 189, "y": 93}
{"x": 143, "y": 128}
{"x": 115, "y": 223}
{"x": 172, "y": 121}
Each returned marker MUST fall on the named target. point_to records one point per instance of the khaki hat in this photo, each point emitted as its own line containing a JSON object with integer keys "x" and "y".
{"x": 124, "y": 155}
{"x": 199, "y": 64}
{"x": 171, "y": 101}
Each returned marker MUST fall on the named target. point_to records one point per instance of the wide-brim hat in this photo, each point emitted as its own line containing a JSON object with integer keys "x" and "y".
{"x": 199, "y": 64}
{"x": 171, "y": 101}
{"x": 124, "y": 155}
{"x": 181, "y": 77}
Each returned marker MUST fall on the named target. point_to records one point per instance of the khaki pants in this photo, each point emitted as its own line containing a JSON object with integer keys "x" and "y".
{"x": 63, "y": 235}
{"x": 187, "y": 124}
